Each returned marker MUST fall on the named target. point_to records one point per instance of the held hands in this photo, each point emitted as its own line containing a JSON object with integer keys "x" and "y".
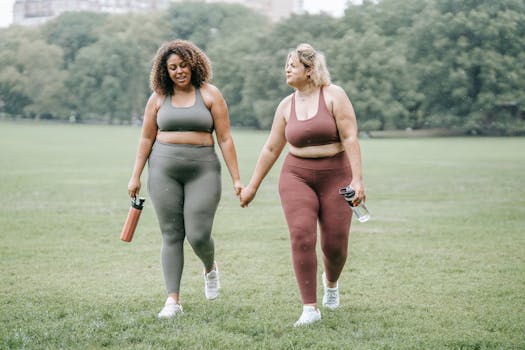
{"x": 247, "y": 195}
{"x": 237, "y": 187}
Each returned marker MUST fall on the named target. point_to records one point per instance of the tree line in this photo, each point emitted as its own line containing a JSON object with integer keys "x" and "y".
{"x": 454, "y": 64}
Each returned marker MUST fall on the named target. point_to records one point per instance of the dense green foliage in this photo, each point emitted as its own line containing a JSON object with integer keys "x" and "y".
{"x": 405, "y": 63}
{"x": 440, "y": 265}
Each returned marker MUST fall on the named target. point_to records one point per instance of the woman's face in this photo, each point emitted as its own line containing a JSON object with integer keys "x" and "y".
{"x": 296, "y": 72}
{"x": 179, "y": 71}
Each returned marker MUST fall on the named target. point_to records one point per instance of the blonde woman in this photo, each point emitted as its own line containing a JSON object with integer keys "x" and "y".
{"x": 319, "y": 125}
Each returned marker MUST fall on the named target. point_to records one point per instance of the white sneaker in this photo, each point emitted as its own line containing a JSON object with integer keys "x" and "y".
{"x": 309, "y": 315}
{"x": 212, "y": 284}
{"x": 170, "y": 309}
{"x": 331, "y": 295}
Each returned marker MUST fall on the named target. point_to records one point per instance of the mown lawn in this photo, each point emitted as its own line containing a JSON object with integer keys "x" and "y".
{"x": 441, "y": 264}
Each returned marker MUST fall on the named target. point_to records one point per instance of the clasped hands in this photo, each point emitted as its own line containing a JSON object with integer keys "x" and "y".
{"x": 245, "y": 194}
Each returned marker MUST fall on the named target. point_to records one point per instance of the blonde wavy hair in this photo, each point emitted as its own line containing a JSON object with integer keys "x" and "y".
{"x": 310, "y": 58}
{"x": 199, "y": 63}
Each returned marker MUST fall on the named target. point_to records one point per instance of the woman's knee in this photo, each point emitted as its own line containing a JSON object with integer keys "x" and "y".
{"x": 172, "y": 240}
{"x": 200, "y": 243}
{"x": 335, "y": 251}
{"x": 302, "y": 240}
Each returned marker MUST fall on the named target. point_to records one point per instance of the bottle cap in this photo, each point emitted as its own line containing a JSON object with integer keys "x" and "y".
{"x": 138, "y": 202}
{"x": 348, "y": 192}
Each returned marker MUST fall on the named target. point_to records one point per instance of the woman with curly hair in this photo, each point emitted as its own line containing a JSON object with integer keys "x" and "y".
{"x": 184, "y": 172}
{"x": 319, "y": 124}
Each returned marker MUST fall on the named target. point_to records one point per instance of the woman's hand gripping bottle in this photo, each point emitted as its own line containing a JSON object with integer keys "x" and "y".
{"x": 360, "y": 211}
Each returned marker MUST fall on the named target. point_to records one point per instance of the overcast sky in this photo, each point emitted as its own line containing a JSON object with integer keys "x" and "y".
{"x": 6, "y": 12}
{"x": 335, "y": 7}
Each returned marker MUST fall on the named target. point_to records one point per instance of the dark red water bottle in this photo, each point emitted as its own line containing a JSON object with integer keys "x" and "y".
{"x": 132, "y": 220}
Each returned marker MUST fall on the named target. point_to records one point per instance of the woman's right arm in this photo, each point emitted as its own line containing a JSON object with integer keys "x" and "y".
{"x": 268, "y": 155}
{"x": 147, "y": 138}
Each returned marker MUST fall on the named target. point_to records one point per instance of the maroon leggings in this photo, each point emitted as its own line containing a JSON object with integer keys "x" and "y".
{"x": 309, "y": 190}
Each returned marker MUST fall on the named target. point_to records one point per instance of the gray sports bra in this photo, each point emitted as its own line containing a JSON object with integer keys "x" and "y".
{"x": 193, "y": 118}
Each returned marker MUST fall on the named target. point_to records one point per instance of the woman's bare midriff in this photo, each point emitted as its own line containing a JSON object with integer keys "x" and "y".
{"x": 316, "y": 151}
{"x": 198, "y": 138}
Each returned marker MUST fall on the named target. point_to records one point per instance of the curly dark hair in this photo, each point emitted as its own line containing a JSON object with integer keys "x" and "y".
{"x": 199, "y": 63}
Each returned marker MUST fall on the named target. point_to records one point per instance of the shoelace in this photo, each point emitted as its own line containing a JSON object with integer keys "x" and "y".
{"x": 211, "y": 283}
{"x": 331, "y": 296}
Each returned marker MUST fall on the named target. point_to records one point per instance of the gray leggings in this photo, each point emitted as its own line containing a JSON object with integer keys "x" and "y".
{"x": 184, "y": 183}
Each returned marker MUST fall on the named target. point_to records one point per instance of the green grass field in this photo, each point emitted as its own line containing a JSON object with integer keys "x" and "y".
{"x": 441, "y": 264}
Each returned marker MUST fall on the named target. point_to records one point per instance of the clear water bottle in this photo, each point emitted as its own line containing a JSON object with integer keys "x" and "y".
{"x": 360, "y": 211}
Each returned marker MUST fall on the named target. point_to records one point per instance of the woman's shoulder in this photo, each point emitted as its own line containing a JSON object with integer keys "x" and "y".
{"x": 156, "y": 99}
{"x": 333, "y": 89}
{"x": 285, "y": 102}
{"x": 283, "y": 109}
{"x": 334, "y": 94}
{"x": 209, "y": 89}
{"x": 288, "y": 99}
{"x": 210, "y": 92}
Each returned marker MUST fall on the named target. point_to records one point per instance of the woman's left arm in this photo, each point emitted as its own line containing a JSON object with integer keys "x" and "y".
{"x": 221, "y": 120}
{"x": 346, "y": 121}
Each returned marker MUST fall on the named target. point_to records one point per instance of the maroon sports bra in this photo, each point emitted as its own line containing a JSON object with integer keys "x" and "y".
{"x": 321, "y": 129}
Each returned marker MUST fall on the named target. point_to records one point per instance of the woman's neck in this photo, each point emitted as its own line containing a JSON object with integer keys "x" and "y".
{"x": 306, "y": 90}
{"x": 184, "y": 90}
